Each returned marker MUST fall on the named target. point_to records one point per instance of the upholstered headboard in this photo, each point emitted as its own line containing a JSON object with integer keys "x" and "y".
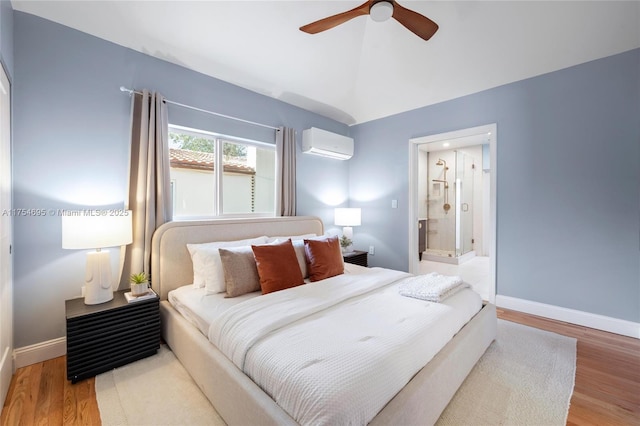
{"x": 171, "y": 265}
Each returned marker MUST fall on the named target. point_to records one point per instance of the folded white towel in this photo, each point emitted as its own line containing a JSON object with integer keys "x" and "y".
{"x": 433, "y": 287}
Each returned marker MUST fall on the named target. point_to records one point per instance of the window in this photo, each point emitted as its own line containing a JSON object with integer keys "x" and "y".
{"x": 245, "y": 185}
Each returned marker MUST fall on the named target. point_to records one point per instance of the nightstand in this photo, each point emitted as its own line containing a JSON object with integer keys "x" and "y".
{"x": 357, "y": 257}
{"x": 109, "y": 335}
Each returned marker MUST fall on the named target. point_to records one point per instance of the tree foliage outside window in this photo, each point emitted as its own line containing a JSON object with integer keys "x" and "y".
{"x": 195, "y": 143}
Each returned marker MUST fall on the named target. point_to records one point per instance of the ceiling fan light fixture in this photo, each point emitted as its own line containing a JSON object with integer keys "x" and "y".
{"x": 381, "y": 11}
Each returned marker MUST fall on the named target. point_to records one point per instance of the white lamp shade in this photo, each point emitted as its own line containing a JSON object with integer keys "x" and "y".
{"x": 86, "y": 231}
{"x": 347, "y": 217}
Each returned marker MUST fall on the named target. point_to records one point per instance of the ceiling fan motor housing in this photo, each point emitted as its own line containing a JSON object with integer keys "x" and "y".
{"x": 381, "y": 11}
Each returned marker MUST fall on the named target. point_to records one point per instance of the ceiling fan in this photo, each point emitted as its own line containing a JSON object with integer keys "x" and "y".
{"x": 379, "y": 10}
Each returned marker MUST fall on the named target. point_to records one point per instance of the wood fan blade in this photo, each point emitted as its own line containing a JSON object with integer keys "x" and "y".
{"x": 335, "y": 20}
{"x": 418, "y": 24}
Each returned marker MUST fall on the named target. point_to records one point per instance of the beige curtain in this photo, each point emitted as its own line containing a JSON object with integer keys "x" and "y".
{"x": 149, "y": 187}
{"x": 286, "y": 174}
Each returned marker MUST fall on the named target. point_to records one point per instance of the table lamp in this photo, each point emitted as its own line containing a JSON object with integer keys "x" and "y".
{"x": 85, "y": 231}
{"x": 347, "y": 218}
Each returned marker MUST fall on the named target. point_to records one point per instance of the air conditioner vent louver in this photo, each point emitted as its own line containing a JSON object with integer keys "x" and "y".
{"x": 321, "y": 142}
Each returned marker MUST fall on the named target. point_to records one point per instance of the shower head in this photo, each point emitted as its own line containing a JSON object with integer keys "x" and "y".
{"x": 441, "y": 162}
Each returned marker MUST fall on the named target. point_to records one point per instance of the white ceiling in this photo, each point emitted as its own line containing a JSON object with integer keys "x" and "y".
{"x": 361, "y": 70}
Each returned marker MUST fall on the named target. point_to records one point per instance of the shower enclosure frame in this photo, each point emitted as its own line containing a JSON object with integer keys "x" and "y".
{"x": 450, "y": 224}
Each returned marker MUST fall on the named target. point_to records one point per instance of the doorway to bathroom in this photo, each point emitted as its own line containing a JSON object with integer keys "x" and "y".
{"x": 452, "y": 206}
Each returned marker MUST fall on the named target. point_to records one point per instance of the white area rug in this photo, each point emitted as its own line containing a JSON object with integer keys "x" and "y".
{"x": 526, "y": 377}
{"x": 153, "y": 391}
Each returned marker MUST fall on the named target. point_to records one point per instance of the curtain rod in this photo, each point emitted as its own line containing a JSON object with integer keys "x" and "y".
{"x": 130, "y": 92}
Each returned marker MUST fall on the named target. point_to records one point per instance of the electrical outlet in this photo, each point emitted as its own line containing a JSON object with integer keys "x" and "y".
{"x": 372, "y": 250}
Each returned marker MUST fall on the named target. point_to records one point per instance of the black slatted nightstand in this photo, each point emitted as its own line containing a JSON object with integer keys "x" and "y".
{"x": 357, "y": 257}
{"x": 109, "y": 335}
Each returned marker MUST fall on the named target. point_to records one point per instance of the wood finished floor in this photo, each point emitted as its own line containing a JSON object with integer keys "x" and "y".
{"x": 606, "y": 392}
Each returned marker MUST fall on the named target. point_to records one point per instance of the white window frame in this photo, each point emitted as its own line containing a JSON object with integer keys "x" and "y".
{"x": 219, "y": 139}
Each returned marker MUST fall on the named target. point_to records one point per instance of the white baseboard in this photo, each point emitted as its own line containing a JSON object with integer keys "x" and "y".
{"x": 599, "y": 322}
{"x": 39, "y": 352}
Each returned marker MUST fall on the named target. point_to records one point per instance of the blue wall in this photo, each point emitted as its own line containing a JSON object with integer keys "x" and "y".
{"x": 71, "y": 138}
{"x": 568, "y": 173}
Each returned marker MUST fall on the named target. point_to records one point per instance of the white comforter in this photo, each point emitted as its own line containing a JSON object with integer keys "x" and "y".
{"x": 336, "y": 351}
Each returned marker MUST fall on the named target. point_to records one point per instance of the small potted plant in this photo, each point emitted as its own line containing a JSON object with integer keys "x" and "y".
{"x": 139, "y": 284}
{"x": 345, "y": 243}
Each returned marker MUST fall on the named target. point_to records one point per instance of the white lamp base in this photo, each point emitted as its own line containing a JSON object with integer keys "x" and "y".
{"x": 98, "y": 284}
{"x": 347, "y": 232}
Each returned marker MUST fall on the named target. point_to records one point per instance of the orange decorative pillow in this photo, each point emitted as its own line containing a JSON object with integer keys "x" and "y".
{"x": 324, "y": 258}
{"x": 278, "y": 267}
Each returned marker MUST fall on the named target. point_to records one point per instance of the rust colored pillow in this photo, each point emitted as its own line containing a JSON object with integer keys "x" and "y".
{"x": 278, "y": 267}
{"x": 324, "y": 258}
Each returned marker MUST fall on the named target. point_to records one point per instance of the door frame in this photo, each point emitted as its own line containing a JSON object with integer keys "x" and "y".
{"x": 6, "y": 238}
{"x": 456, "y": 139}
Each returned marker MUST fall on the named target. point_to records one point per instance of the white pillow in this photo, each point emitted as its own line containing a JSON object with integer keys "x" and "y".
{"x": 207, "y": 266}
{"x": 292, "y": 238}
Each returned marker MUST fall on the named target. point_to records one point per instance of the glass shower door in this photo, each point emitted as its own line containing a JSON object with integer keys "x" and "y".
{"x": 464, "y": 203}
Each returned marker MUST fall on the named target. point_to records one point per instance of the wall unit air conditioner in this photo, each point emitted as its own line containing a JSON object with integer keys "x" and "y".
{"x": 327, "y": 144}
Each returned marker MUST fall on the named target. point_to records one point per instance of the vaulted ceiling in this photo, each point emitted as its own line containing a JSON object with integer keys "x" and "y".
{"x": 361, "y": 70}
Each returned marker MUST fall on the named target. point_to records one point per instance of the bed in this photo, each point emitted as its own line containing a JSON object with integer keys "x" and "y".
{"x": 238, "y": 398}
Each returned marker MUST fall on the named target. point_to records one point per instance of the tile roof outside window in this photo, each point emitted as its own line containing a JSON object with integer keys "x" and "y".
{"x": 187, "y": 159}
